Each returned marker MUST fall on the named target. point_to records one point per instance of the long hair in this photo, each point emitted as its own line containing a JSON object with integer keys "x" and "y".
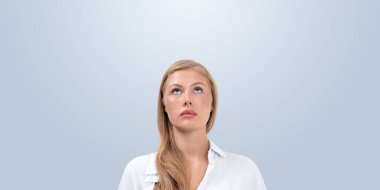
{"x": 169, "y": 162}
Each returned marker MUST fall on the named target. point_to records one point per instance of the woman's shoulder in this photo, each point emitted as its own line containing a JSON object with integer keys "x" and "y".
{"x": 240, "y": 161}
{"x": 140, "y": 163}
{"x": 246, "y": 167}
{"x": 231, "y": 161}
{"x": 238, "y": 157}
{"x": 135, "y": 173}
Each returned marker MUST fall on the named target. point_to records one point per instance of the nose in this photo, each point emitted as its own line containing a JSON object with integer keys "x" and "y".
{"x": 187, "y": 101}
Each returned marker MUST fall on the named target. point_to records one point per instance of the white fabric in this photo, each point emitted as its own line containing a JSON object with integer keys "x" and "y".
{"x": 225, "y": 171}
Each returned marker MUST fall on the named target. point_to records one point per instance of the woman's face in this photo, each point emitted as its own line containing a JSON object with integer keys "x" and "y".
{"x": 187, "y": 98}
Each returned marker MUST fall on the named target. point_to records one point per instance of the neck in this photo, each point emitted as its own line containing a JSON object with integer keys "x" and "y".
{"x": 194, "y": 145}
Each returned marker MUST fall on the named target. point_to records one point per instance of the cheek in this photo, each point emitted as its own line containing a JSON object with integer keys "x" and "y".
{"x": 204, "y": 106}
{"x": 205, "y": 101}
{"x": 171, "y": 104}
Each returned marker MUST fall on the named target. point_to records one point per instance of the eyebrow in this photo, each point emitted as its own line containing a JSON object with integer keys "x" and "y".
{"x": 196, "y": 83}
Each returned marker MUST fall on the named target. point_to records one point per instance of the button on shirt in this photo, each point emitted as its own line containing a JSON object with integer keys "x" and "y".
{"x": 225, "y": 171}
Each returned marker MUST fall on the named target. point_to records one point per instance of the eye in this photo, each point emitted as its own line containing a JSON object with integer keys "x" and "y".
{"x": 198, "y": 90}
{"x": 176, "y": 91}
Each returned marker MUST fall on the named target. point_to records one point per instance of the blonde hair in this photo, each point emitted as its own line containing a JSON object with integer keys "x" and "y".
{"x": 170, "y": 167}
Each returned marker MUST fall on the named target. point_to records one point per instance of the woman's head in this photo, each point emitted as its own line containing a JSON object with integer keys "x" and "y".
{"x": 187, "y": 101}
{"x": 187, "y": 87}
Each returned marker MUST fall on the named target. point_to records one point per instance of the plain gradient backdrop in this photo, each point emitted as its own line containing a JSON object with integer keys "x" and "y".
{"x": 298, "y": 82}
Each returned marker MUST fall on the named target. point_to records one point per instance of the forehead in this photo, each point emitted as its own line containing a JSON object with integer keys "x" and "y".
{"x": 186, "y": 77}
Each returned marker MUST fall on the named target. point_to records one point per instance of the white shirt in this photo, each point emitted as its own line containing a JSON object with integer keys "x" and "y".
{"x": 225, "y": 171}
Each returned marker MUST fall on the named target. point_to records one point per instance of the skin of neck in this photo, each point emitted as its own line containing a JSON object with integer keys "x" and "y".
{"x": 194, "y": 145}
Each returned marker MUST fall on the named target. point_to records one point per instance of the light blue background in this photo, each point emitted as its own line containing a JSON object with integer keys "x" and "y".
{"x": 298, "y": 84}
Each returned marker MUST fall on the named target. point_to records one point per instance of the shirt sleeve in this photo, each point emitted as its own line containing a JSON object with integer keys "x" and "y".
{"x": 129, "y": 179}
{"x": 260, "y": 185}
{"x": 257, "y": 180}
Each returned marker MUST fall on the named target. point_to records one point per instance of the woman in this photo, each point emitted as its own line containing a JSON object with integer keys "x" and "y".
{"x": 186, "y": 159}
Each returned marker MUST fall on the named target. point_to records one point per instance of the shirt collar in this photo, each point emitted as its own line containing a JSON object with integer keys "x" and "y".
{"x": 151, "y": 174}
{"x": 216, "y": 149}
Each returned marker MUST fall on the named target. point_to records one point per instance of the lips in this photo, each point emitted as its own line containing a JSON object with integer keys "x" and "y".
{"x": 188, "y": 113}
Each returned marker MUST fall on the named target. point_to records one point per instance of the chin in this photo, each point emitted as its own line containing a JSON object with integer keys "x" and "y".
{"x": 188, "y": 127}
